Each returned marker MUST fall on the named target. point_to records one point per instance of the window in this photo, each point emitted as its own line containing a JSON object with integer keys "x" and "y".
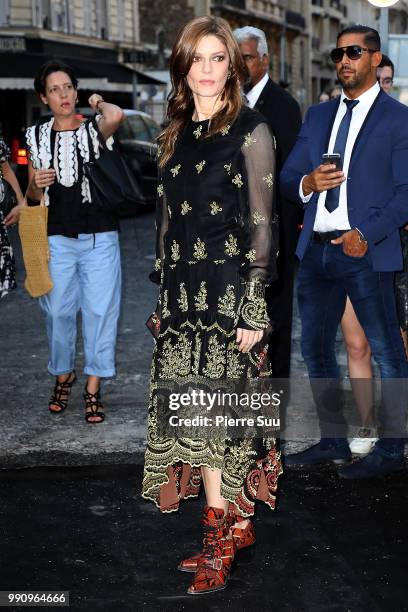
{"x": 4, "y": 13}
{"x": 133, "y": 128}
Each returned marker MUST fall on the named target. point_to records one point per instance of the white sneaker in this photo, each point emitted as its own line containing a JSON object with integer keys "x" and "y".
{"x": 361, "y": 446}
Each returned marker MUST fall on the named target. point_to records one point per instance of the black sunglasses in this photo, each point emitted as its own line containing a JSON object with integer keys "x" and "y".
{"x": 353, "y": 52}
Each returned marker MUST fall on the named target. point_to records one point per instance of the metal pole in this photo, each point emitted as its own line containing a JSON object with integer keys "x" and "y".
{"x": 283, "y": 54}
{"x": 134, "y": 91}
{"x": 384, "y": 25}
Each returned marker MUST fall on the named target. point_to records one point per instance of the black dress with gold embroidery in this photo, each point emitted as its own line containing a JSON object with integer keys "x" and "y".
{"x": 216, "y": 249}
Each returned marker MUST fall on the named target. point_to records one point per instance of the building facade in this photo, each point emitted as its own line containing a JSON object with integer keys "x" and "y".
{"x": 285, "y": 23}
{"x": 100, "y": 39}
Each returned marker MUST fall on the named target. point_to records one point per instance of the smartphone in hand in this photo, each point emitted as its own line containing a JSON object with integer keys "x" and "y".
{"x": 332, "y": 158}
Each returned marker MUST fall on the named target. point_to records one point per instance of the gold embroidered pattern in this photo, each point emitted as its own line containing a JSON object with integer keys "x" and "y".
{"x": 175, "y": 361}
{"x": 199, "y": 249}
{"x": 219, "y": 261}
{"x": 201, "y": 297}
{"x": 175, "y": 251}
{"x": 237, "y": 180}
{"x": 227, "y": 168}
{"x": 197, "y": 131}
{"x": 215, "y": 208}
{"x": 251, "y": 255}
{"x": 235, "y": 368}
{"x": 157, "y": 264}
{"x": 182, "y": 300}
{"x": 215, "y": 359}
{"x": 231, "y": 246}
{"x": 253, "y": 312}
{"x": 160, "y": 190}
{"x": 268, "y": 180}
{"x": 165, "y": 310}
{"x": 249, "y": 140}
{"x": 200, "y": 166}
{"x": 226, "y": 303}
{"x": 185, "y": 207}
{"x": 175, "y": 170}
{"x": 257, "y": 217}
{"x": 225, "y": 130}
{"x": 196, "y": 355}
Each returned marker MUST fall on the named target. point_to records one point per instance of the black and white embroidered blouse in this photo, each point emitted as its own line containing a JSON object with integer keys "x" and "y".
{"x": 71, "y": 211}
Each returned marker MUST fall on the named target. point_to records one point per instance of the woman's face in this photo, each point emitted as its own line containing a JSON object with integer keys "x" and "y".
{"x": 60, "y": 94}
{"x": 209, "y": 70}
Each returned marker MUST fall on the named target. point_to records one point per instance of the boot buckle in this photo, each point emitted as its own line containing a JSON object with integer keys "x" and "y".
{"x": 217, "y": 563}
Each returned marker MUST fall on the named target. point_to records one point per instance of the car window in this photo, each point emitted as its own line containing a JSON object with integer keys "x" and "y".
{"x": 154, "y": 128}
{"x": 135, "y": 129}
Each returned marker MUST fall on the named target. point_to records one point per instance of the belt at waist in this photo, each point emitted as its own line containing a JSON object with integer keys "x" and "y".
{"x": 324, "y": 237}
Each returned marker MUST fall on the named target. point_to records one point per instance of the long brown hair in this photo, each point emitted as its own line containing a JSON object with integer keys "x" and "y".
{"x": 180, "y": 100}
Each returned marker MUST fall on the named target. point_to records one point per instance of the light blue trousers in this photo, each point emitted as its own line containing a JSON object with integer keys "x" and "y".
{"x": 86, "y": 274}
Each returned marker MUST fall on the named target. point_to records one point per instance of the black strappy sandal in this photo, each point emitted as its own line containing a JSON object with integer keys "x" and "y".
{"x": 94, "y": 405}
{"x": 61, "y": 393}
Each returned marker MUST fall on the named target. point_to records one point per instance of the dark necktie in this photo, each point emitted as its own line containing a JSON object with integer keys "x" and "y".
{"x": 333, "y": 195}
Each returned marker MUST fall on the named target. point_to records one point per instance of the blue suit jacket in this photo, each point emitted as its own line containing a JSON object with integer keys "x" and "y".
{"x": 377, "y": 185}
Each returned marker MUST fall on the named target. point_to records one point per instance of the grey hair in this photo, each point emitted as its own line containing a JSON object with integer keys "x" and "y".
{"x": 248, "y": 32}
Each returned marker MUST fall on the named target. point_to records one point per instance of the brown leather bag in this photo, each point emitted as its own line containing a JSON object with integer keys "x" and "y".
{"x": 32, "y": 228}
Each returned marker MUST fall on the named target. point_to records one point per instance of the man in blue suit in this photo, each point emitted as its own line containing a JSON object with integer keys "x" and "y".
{"x": 350, "y": 245}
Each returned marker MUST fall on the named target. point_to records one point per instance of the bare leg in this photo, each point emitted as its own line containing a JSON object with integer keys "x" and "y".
{"x": 359, "y": 363}
{"x": 404, "y": 334}
{"x": 212, "y": 486}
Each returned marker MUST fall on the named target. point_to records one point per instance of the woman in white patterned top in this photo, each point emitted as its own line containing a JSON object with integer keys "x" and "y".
{"x": 84, "y": 245}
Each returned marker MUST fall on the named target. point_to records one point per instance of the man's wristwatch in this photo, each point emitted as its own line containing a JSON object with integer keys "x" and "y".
{"x": 360, "y": 236}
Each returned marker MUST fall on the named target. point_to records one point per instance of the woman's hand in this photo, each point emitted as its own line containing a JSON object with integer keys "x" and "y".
{"x": 247, "y": 338}
{"x": 14, "y": 214}
{"x": 94, "y": 100}
{"x": 42, "y": 178}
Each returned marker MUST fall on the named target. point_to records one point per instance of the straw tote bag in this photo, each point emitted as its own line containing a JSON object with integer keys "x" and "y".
{"x": 32, "y": 228}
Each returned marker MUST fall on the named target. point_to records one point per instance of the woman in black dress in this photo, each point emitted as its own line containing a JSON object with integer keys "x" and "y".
{"x": 216, "y": 251}
{"x": 7, "y": 268}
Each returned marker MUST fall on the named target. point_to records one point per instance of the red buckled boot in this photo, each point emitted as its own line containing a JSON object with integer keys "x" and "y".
{"x": 243, "y": 537}
{"x": 214, "y": 566}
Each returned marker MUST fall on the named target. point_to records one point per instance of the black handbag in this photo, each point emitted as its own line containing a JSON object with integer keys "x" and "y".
{"x": 9, "y": 199}
{"x": 113, "y": 187}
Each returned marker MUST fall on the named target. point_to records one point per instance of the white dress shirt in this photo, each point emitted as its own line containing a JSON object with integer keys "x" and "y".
{"x": 254, "y": 93}
{"x": 326, "y": 221}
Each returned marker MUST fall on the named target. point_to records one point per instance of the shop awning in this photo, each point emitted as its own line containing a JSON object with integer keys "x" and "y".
{"x": 17, "y": 71}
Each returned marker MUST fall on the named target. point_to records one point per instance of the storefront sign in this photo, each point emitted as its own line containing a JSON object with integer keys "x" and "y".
{"x": 12, "y": 43}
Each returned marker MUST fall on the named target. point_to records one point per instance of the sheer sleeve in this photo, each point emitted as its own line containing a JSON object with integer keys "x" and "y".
{"x": 259, "y": 154}
{"x": 162, "y": 223}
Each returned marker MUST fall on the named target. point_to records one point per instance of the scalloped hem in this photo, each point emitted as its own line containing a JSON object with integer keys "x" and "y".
{"x": 181, "y": 480}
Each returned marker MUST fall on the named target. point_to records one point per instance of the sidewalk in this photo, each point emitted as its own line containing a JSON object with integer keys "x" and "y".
{"x": 29, "y": 434}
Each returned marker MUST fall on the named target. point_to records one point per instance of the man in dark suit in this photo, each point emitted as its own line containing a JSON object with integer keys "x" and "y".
{"x": 283, "y": 115}
{"x": 350, "y": 245}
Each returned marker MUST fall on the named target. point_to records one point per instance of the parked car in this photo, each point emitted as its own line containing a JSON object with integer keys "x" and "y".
{"x": 135, "y": 140}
